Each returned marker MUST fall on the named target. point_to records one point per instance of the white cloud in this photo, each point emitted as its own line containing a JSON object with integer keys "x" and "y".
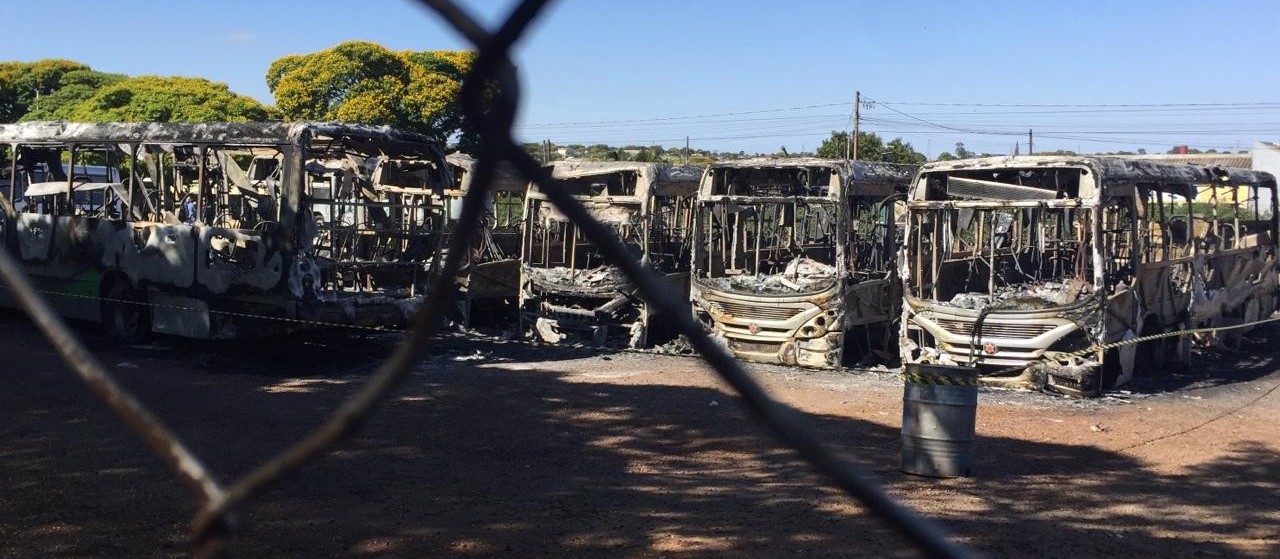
{"x": 241, "y": 37}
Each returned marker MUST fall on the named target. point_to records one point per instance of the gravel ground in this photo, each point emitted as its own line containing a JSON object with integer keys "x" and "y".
{"x": 507, "y": 450}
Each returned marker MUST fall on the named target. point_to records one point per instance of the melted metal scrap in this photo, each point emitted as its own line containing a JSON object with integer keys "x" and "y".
{"x": 230, "y": 229}
{"x": 802, "y": 275}
{"x": 604, "y": 279}
{"x": 1030, "y": 296}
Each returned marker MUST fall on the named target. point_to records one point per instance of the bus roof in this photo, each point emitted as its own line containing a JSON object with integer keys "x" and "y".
{"x": 241, "y": 133}
{"x": 1112, "y": 170}
{"x": 505, "y": 177}
{"x": 657, "y": 172}
{"x": 856, "y": 169}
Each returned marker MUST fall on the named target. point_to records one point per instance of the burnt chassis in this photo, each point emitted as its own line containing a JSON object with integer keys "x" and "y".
{"x": 808, "y": 328}
{"x": 608, "y": 315}
{"x": 222, "y": 273}
{"x": 489, "y": 281}
{"x": 1139, "y": 284}
{"x": 586, "y": 299}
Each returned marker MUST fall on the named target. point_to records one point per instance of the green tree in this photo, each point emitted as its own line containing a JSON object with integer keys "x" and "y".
{"x": 24, "y": 84}
{"x": 870, "y": 148}
{"x": 898, "y": 151}
{"x": 360, "y": 81}
{"x": 74, "y": 88}
{"x": 167, "y": 99}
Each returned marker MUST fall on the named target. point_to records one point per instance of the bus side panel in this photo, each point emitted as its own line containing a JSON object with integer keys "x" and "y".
{"x": 230, "y": 258}
{"x": 58, "y": 253}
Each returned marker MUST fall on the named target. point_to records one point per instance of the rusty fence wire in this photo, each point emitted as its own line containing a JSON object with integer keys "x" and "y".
{"x": 490, "y": 96}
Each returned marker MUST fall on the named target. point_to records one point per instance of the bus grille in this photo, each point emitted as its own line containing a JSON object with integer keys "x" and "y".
{"x": 754, "y": 312}
{"x": 994, "y": 329}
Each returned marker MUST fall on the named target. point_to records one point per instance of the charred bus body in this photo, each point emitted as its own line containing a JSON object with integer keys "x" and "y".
{"x": 223, "y": 230}
{"x": 794, "y": 259}
{"x": 489, "y": 281}
{"x": 567, "y": 290}
{"x": 1023, "y": 266}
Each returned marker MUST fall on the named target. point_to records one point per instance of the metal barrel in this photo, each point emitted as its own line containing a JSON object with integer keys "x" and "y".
{"x": 939, "y": 409}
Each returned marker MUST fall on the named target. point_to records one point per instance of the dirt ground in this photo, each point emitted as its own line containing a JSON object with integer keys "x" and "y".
{"x": 506, "y": 450}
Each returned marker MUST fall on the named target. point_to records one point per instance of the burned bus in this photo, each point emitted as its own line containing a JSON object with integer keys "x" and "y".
{"x": 489, "y": 281}
{"x": 1027, "y": 267}
{"x": 223, "y": 230}
{"x": 793, "y": 259}
{"x": 568, "y": 291}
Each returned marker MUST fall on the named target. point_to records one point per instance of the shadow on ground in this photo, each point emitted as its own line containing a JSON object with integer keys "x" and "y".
{"x": 471, "y": 461}
{"x": 1255, "y": 357}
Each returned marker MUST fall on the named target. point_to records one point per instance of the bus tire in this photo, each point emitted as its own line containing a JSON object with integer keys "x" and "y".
{"x": 125, "y": 316}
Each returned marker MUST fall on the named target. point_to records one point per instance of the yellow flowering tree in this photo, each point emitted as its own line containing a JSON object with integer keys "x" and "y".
{"x": 167, "y": 99}
{"x": 359, "y": 81}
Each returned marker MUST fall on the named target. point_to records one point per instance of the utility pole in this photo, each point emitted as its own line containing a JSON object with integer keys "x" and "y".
{"x": 1031, "y": 142}
{"x": 686, "y": 150}
{"x": 857, "y": 117}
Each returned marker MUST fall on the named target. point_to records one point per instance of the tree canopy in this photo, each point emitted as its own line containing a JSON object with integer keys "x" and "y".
{"x": 359, "y": 81}
{"x": 870, "y": 148}
{"x": 74, "y": 88}
{"x": 961, "y": 153}
{"x": 65, "y": 90}
{"x": 167, "y": 99}
{"x": 45, "y": 86}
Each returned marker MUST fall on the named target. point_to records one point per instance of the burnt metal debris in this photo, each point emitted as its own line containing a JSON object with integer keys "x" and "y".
{"x": 793, "y": 259}
{"x": 1016, "y": 266}
{"x": 569, "y": 289}
{"x": 187, "y": 229}
{"x": 1025, "y": 268}
{"x": 1022, "y": 266}
{"x": 489, "y": 280}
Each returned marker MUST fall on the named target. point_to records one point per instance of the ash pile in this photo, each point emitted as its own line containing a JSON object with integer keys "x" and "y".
{"x": 801, "y": 275}
{"x": 1024, "y": 297}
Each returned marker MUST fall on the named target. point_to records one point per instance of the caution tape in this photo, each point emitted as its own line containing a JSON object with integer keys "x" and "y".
{"x": 941, "y": 380}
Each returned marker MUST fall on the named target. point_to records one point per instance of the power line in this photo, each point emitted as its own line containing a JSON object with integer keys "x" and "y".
{"x": 1002, "y": 123}
{"x": 943, "y": 126}
{"x": 1099, "y": 109}
{"x": 1097, "y": 105}
{"x": 1104, "y": 111}
{"x": 659, "y": 119}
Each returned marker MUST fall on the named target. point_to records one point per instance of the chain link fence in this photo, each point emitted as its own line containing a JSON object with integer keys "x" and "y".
{"x": 490, "y": 96}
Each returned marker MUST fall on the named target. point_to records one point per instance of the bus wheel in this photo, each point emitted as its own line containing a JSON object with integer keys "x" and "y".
{"x": 125, "y": 315}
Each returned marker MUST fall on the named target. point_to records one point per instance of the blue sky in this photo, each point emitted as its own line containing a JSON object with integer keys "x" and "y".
{"x": 748, "y": 68}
